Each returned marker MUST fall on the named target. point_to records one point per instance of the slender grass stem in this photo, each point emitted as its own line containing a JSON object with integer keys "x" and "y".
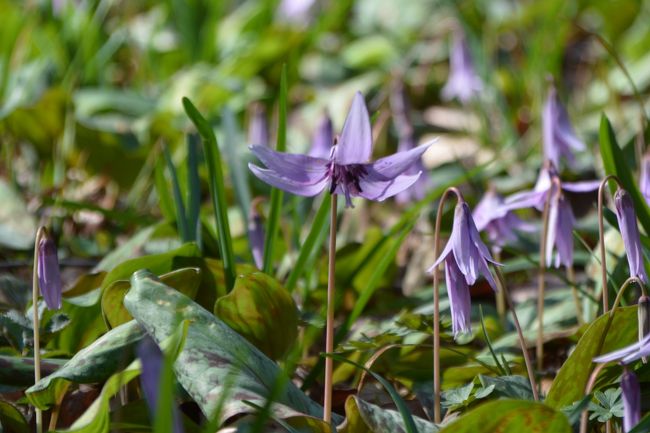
{"x": 541, "y": 284}
{"x": 601, "y": 235}
{"x": 520, "y": 334}
{"x": 37, "y": 344}
{"x": 329, "y": 336}
{"x": 436, "y": 307}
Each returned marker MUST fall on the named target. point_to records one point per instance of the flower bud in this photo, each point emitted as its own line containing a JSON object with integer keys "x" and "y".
{"x": 49, "y": 277}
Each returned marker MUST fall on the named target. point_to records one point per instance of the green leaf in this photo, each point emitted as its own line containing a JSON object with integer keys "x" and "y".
{"x": 193, "y": 189}
{"x": 217, "y": 189}
{"x": 276, "y": 194}
{"x": 17, "y": 371}
{"x": 615, "y": 163}
{"x": 364, "y": 417}
{"x": 569, "y": 384}
{"x": 457, "y": 396}
{"x": 262, "y": 311}
{"x": 215, "y": 362}
{"x": 164, "y": 196}
{"x": 181, "y": 219}
{"x": 11, "y": 419}
{"x": 510, "y": 416}
{"x": 95, "y": 363}
{"x": 517, "y": 387}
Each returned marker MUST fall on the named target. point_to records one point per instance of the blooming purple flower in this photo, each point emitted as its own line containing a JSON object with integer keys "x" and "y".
{"x": 629, "y": 353}
{"x": 561, "y": 219}
{"x": 499, "y": 225}
{"x": 323, "y": 139}
{"x": 630, "y": 233}
{"x": 463, "y": 82}
{"x": 558, "y": 135}
{"x": 258, "y": 127}
{"x": 631, "y": 400}
{"x": 347, "y": 170}
{"x": 459, "y": 297}
{"x": 644, "y": 180}
{"x": 151, "y": 358}
{"x": 49, "y": 276}
{"x": 256, "y": 235}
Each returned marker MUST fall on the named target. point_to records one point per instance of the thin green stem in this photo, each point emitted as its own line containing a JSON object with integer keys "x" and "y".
{"x": 37, "y": 344}
{"x": 329, "y": 336}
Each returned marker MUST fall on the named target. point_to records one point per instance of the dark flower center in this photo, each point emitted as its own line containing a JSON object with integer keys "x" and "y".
{"x": 347, "y": 177}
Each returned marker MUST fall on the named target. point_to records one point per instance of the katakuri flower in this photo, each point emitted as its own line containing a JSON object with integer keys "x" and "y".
{"x": 630, "y": 233}
{"x": 561, "y": 219}
{"x": 152, "y": 358}
{"x": 631, "y": 400}
{"x": 466, "y": 257}
{"x": 258, "y": 127}
{"x": 463, "y": 82}
{"x": 644, "y": 180}
{"x": 558, "y": 136}
{"x": 49, "y": 276}
{"x": 499, "y": 225}
{"x": 347, "y": 170}
{"x": 323, "y": 139}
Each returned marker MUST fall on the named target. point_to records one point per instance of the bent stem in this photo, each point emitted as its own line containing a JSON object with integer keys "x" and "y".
{"x": 37, "y": 344}
{"x": 436, "y": 306}
{"x": 601, "y": 235}
{"x": 329, "y": 336}
{"x": 541, "y": 282}
{"x": 520, "y": 334}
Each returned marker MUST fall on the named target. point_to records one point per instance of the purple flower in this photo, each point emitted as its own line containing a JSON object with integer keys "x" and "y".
{"x": 256, "y": 235}
{"x": 460, "y": 301}
{"x": 422, "y": 185}
{"x": 629, "y": 353}
{"x": 561, "y": 219}
{"x": 49, "y": 276}
{"x": 463, "y": 82}
{"x": 323, "y": 139}
{"x": 631, "y": 400}
{"x": 151, "y": 358}
{"x": 644, "y": 180}
{"x": 499, "y": 225}
{"x": 296, "y": 11}
{"x": 558, "y": 136}
{"x": 347, "y": 170}
{"x": 258, "y": 127}
{"x": 630, "y": 233}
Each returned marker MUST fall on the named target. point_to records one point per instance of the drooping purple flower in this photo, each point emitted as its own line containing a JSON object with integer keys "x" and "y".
{"x": 561, "y": 219}
{"x": 460, "y": 301}
{"x": 469, "y": 251}
{"x": 631, "y": 400}
{"x": 630, "y": 233}
{"x": 557, "y": 133}
{"x": 323, "y": 139}
{"x": 644, "y": 180}
{"x": 629, "y": 353}
{"x": 499, "y": 225}
{"x": 49, "y": 276}
{"x": 151, "y": 358}
{"x": 256, "y": 235}
{"x": 347, "y": 170}
{"x": 463, "y": 82}
{"x": 258, "y": 127}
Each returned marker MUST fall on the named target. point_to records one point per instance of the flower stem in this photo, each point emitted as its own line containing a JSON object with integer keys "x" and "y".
{"x": 37, "y": 344}
{"x": 329, "y": 336}
{"x": 436, "y": 307}
{"x": 601, "y": 235}
{"x": 541, "y": 283}
{"x": 500, "y": 295}
{"x": 520, "y": 334}
{"x": 571, "y": 276}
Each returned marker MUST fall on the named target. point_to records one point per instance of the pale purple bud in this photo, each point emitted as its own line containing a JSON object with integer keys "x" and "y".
{"x": 49, "y": 276}
{"x": 630, "y": 233}
{"x": 631, "y": 400}
{"x": 463, "y": 82}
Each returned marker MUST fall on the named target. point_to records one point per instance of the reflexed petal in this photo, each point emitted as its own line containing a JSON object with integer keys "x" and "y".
{"x": 299, "y": 168}
{"x": 462, "y": 245}
{"x": 323, "y": 139}
{"x": 459, "y": 298}
{"x": 355, "y": 142}
{"x": 630, "y": 232}
{"x": 631, "y": 400}
{"x": 553, "y": 216}
{"x": 391, "y": 166}
{"x": 290, "y": 185}
{"x": 379, "y": 190}
{"x": 564, "y": 237}
{"x": 49, "y": 276}
{"x": 565, "y": 131}
{"x": 443, "y": 255}
{"x": 488, "y": 209}
{"x": 628, "y": 351}
{"x": 525, "y": 199}
{"x": 583, "y": 186}
{"x": 548, "y": 115}
{"x": 476, "y": 238}
{"x": 485, "y": 270}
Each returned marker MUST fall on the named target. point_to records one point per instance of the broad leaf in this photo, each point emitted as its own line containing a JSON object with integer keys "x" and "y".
{"x": 364, "y": 417}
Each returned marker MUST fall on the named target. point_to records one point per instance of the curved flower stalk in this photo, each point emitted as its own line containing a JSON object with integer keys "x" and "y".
{"x": 559, "y": 139}
{"x": 323, "y": 139}
{"x": 463, "y": 82}
{"x": 347, "y": 170}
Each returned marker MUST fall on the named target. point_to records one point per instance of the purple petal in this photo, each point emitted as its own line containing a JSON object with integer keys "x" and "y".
{"x": 256, "y": 236}
{"x": 293, "y": 186}
{"x": 299, "y": 168}
{"x": 485, "y": 270}
{"x": 373, "y": 188}
{"x": 551, "y": 234}
{"x": 630, "y": 233}
{"x": 258, "y": 128}
{"x": 459, "y": 298}
{"x": 583, "y": 186}
{"x": 466, "y": 254}
{"x": 564, "y": 237}
{"x": 631, "y": 400}
{"x": 630, "y": 351}
{"x": 558, "y": 135}
{"x": 443, "y": 255}
{"x": 525, "y": 199}
{"x": 323, "y": 139}
{"x": 644, "y": 180}
{"x": 49, "y": 276}
{"x": 463, "y": 82}
{"x": 391, "y": 166}
{"x": 355, "y": 142}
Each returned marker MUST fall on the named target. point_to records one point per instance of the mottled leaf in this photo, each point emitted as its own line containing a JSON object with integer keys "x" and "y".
{"x": 364, "y": 417}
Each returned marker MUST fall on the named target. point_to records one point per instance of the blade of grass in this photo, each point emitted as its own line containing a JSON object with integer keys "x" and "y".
{"x": 238, "y": 168}
{"x": 164, "y": 196}
{"x": 489, "y": 343}
{"x": 193, "y": 187}
{"x": 181, "y": 220}
{"x": 276, "y": 194}
{"x": 217, "y": 189}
